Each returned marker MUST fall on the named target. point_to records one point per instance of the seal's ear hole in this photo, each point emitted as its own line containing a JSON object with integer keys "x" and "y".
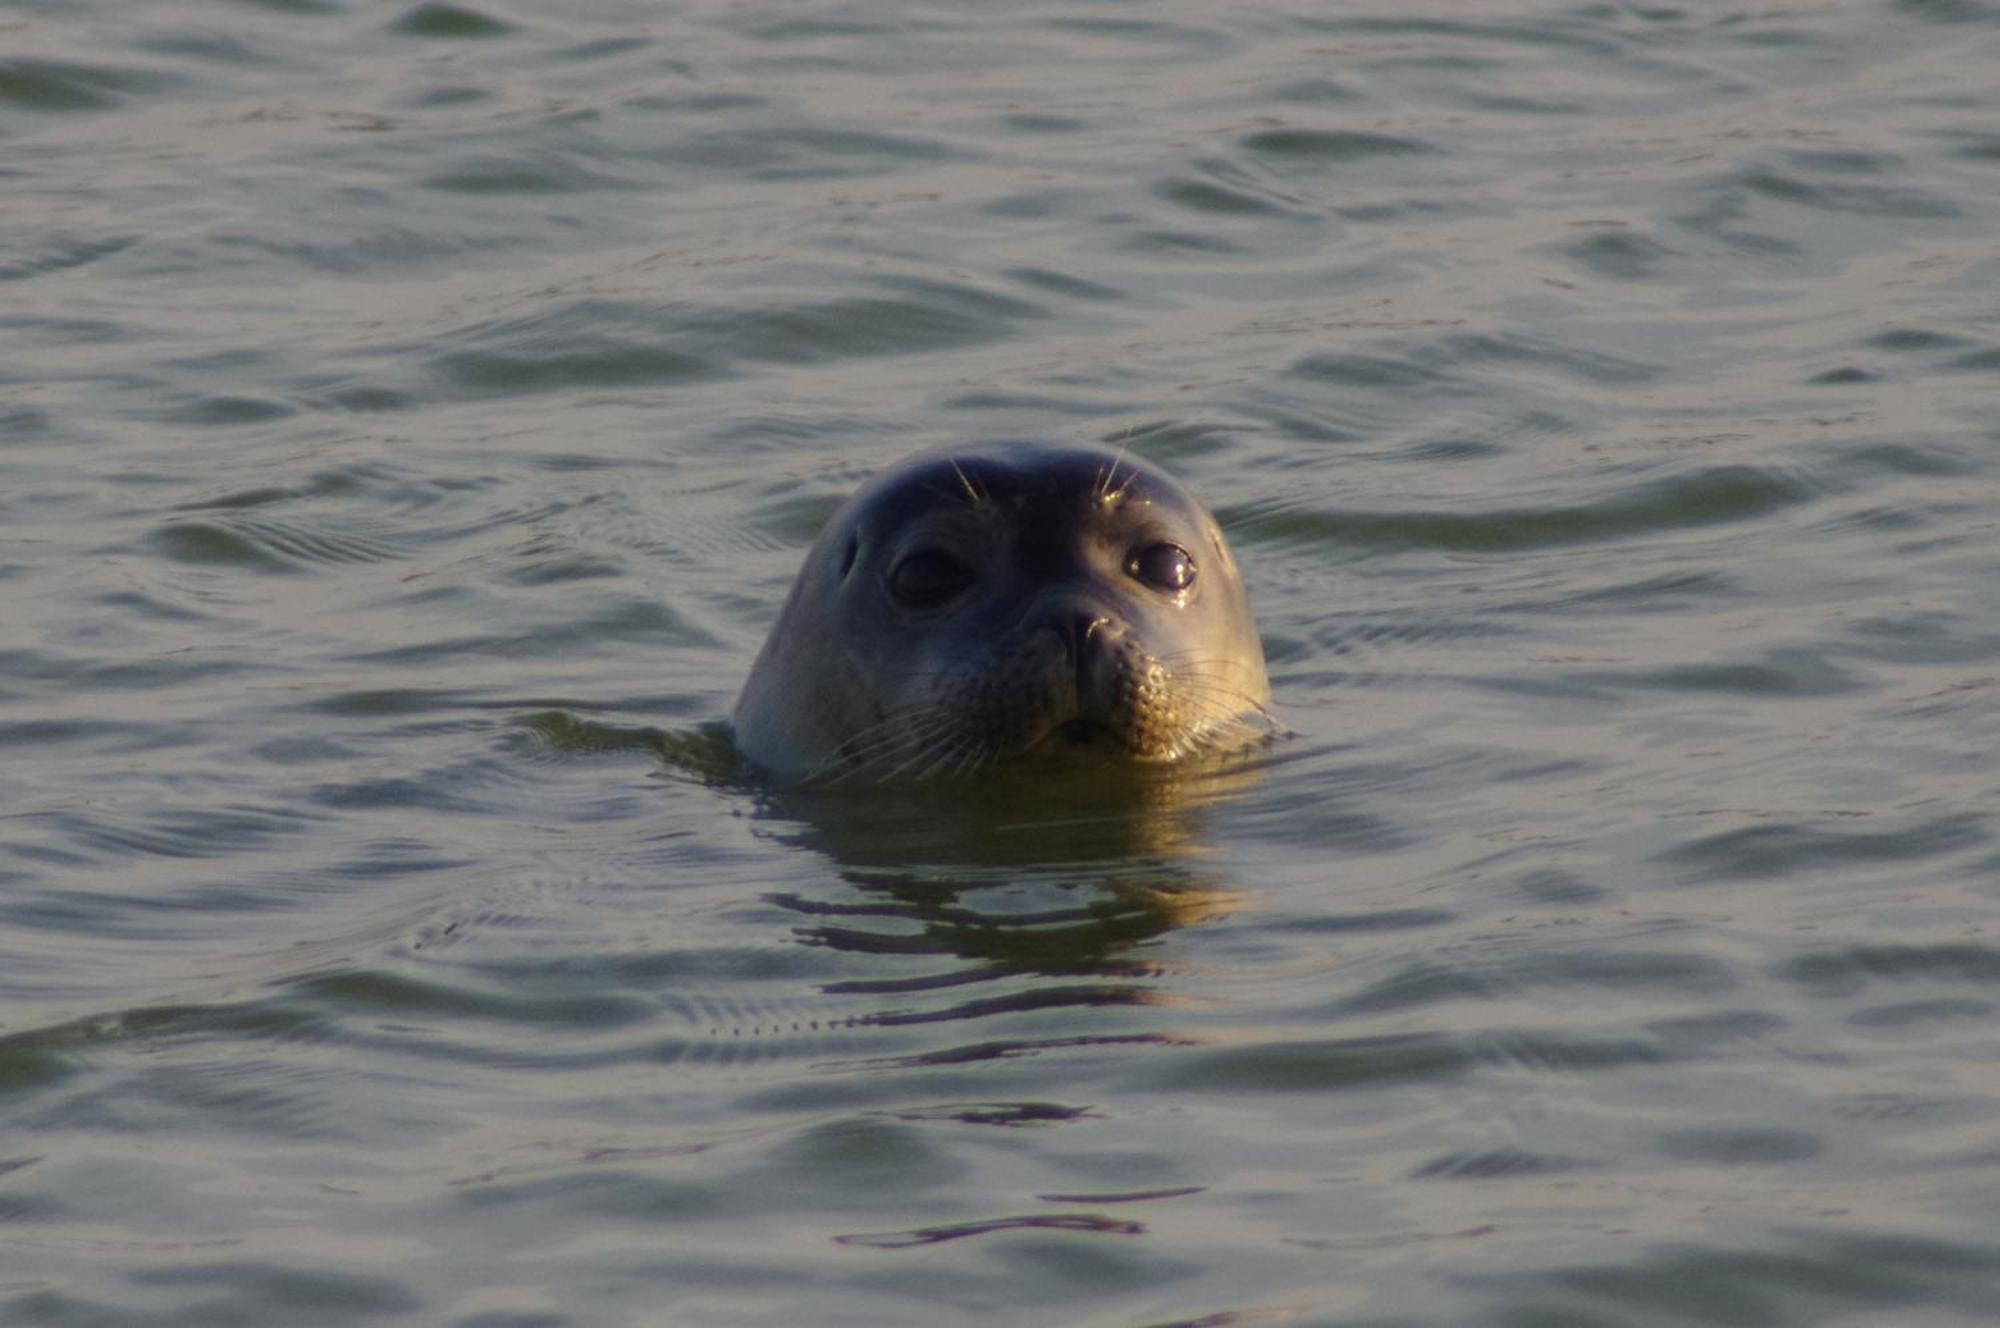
{"x": 849, "y": 554}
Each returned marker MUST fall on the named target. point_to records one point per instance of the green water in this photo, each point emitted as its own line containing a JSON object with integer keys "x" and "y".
{"x": 411, "y": 417}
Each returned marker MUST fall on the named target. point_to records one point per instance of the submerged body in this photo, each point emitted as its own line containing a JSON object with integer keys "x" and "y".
{"x": 986, "y": 606}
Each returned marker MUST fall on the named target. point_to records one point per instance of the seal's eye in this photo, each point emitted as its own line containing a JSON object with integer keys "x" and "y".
{"x": 1162, "y": 566}
{"x": 927, "y": 578}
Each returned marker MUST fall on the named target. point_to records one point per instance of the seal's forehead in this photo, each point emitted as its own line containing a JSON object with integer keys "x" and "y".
{"x": 1017, "y": 477}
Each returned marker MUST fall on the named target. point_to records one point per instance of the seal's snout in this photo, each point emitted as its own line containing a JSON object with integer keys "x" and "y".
{"x": 1086, "y": 635}
{"x": 1084, "y": 655}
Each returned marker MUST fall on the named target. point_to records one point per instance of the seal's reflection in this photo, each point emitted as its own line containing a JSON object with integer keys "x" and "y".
{"x": 1057, "y": 882}
{"x": 1042, "y": 888}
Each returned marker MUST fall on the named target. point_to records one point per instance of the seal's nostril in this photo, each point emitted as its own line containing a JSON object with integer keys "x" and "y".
{"x": 1077, "y": 630}
{"x": 1083, "y": 641}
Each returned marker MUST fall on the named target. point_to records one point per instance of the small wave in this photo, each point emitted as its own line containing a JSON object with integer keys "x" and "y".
{"x": 1790, "y": 672}
{"x": 1786, "y": 848}
{"x": 1809, "y": 190}
{"x": 598, "y": 343}
{"x": 61, "y": 85}
{"x": 1848, "y": 970}
{"x": 798, "y": 154}
{"x": 1705, "y": 497}
{"x": 1498, "y": 1163}
{"x": 60, "y": 254}
{"x": 1620, "y": 255}
{"x": 1836, "y": 1267}
{"x": 1218, "y": 199}
{"x": 188, "y": 833}
{"x": 373, "y": 993}
{"x": 1325, "y": 146}
{"x": 552, "y": 172}
{"x": 268, "y": 545}
{"x": 1316, "y": 1065}
{"x": 448, "y": 22}
{"x": 1609, "y": 973}
{"x": 1079, "y": 1222}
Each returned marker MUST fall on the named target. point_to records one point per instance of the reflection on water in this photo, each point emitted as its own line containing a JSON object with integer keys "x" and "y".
{"x": 1081, "y": 814}
{"x": 1065, "y": 879}
{"x": 1065, "y": 872}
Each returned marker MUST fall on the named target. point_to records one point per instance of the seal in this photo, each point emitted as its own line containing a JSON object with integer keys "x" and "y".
{"x": 979, "y": 607}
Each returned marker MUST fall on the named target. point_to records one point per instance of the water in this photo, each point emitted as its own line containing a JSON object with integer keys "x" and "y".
{"x": 406, "y": 410}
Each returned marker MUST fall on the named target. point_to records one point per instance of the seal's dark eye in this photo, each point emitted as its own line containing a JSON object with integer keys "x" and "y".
{"x": 927, "y": 578}
{"x": 1162, "y": 566}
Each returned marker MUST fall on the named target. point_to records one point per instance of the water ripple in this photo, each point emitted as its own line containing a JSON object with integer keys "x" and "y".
{"x": 598, "y": 344}
{"x": 416, "y": 413}
{"x": 1846, "y": 972}
{"x": 449, "y": 22}
{"x": 1692, "y": 500}
{"x": 32, "y": 84}
{"x": 1786, "y": 848}
{"x": 261, "y": 544}
{"x": 186, "y": 833}
{"x": 1299, "y": 146}
{"x": 60, "y": 254}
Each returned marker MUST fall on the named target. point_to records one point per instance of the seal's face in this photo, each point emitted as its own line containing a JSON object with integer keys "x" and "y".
{"x": 983, "y": 606}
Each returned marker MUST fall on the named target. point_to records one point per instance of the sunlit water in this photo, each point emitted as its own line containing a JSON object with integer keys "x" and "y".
{"x": 410, "y": 419}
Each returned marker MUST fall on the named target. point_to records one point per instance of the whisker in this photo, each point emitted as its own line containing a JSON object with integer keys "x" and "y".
{"x": 889, "y": 735}
{"x": 1104, "y": 493}
{"x": 971, "y": 489}
{"x": 976, "y": 755}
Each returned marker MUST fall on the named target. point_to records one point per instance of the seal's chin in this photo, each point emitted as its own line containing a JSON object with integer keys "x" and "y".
{"x": 1082, "y": 732}
{"x": 1082, "y": 739}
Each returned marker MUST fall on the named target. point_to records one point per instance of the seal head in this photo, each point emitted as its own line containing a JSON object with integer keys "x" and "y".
{"x": 978, "y": 607}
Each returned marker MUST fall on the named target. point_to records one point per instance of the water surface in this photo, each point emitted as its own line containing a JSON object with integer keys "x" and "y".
{"x": 406, "y": 409}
